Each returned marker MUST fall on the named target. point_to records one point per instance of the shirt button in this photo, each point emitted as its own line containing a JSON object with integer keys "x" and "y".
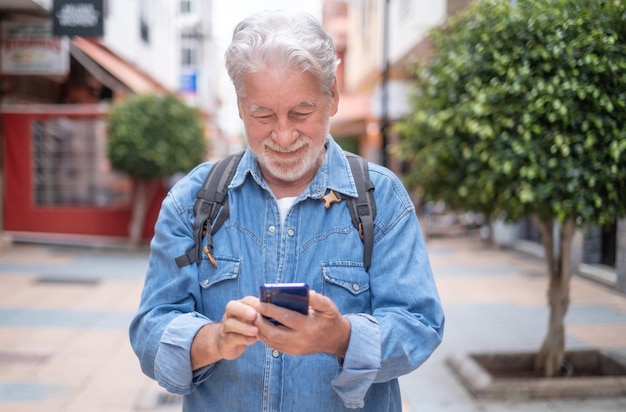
{"x": 272, "y": 229}
{"x": 275, "y": 353}
{"x": 356, "y": 287}
{"x": 205, "y": 282}
{"x": 291, "y": 232}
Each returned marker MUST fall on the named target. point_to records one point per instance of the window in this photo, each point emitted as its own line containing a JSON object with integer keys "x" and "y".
{"x": 144, "y": 20}
{"x": 144, "y": 31}
{"x": 185, "y": 6}
{"x": 188, "y": 51}
{"x": 71, "y": 167}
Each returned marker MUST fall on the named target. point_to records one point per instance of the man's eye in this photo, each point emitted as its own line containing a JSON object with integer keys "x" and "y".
{"x": 300, "y": 115}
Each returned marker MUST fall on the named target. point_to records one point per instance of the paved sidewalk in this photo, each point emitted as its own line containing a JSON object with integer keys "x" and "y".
{"x": 495, "y": 300}
{"x": 64, "y": 314}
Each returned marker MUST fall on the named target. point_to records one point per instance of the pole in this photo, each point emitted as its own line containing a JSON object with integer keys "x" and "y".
{"x": 384, "y": 118}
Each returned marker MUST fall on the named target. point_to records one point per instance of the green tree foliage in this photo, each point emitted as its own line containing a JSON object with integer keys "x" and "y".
{"x": 152, "y": 136}
{"x": 519, "y": 112}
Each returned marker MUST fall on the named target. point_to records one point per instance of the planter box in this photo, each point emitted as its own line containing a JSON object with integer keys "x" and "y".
{"x": 589, "y": 373}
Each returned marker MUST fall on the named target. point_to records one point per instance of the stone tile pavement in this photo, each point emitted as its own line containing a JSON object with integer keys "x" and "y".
{"x": 64, "y": 314}
{"x": 495, "y": 300}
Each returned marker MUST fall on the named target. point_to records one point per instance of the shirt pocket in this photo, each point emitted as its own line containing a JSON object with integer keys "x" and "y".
{"x": 219, "y": 285}
{"x": 348, "y": 286}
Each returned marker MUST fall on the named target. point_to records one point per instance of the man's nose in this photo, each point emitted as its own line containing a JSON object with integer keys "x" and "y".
{"x": 284, "y": 133}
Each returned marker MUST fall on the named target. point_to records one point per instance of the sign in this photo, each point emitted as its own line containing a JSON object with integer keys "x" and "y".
{"x": 188, "y": 82}
{"x": 28, "y": 48}
{"x": 78, "y": 18}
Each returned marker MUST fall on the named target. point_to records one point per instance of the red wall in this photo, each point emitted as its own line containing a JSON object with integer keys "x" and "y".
{"x": 22, "y": 215}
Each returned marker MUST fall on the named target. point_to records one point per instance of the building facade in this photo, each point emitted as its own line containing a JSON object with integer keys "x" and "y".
{"x": 377, "y": 40}
{"x": 55, "y": 178}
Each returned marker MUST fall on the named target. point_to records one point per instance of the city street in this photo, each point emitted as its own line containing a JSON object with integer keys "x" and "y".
{"x": 64, "y": 315}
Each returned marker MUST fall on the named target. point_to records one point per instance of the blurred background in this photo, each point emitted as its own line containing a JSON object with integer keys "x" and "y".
{"x": 63, "y": 64}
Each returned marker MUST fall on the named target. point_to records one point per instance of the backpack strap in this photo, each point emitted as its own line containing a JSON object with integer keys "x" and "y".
{"x": 362, "y": 208}
{"x": 211, "y": 200}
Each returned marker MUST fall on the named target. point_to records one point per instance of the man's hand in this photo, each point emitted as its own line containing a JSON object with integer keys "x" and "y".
{"x": 323, "y": 330}
{"x": 227, "y": 339}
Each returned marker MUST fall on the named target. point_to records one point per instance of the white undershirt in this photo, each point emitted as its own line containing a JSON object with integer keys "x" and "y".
{"x": 283, "y": 206}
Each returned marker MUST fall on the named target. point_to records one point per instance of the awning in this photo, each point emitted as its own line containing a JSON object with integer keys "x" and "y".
{"x": 112, "y": 70}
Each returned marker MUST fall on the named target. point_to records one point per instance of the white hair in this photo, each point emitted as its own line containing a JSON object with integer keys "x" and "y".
{"x": 281, "y": 38}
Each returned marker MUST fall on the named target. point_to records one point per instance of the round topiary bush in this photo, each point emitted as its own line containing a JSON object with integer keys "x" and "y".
{"x": 152, "y": 136}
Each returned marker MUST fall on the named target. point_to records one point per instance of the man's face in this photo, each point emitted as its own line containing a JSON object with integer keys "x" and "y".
{"x": 286, "y": 117}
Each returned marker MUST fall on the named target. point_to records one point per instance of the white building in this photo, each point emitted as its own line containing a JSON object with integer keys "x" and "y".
{"x": 172, "y": 41}
{"x": 375, "y": 40}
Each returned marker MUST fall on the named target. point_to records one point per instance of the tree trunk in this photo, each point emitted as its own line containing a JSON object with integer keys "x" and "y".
{"x": 552, "y": 353}
{"x": 144, "y": 192}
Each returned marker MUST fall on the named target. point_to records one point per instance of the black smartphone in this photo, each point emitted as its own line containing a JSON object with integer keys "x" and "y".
{"x": 294, "y": 296}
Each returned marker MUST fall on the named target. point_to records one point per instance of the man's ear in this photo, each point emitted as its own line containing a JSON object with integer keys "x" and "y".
{"x": 334, "y": 95}
{"x": 239, "y": 109}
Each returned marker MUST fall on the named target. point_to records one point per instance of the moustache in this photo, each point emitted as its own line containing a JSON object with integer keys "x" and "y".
{"x": 292, "y": 148}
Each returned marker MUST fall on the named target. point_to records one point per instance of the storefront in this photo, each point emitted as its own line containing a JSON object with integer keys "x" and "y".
{"x": 58, "y": 181}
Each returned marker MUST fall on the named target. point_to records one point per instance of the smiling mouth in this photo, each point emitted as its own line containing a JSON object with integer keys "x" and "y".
{"x": 287, "y": 152}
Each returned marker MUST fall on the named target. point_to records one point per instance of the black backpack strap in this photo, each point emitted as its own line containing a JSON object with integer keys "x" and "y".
{"x": 363, "y": 208}
{"x": 211, "y": 200}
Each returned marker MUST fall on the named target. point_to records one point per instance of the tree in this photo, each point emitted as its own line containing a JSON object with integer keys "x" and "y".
{"x": 519, "y": 111}
{"x": 151, "y": 137}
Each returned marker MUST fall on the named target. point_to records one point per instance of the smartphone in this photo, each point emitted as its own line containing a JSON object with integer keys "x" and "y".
{"x": 294, "y": 296}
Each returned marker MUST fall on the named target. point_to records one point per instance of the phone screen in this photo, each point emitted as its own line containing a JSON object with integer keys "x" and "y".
{"x": 293, "y": 296}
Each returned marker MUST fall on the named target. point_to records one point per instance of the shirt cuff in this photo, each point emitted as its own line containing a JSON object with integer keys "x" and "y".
{"x": 362, "y": 361}
{"x": 172, "y": 367}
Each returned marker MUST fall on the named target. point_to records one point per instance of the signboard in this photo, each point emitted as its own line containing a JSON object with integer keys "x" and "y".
{"x": 188, "y": 82}
{"x": 78, "y": 18}
{"x": 28, "y": 48}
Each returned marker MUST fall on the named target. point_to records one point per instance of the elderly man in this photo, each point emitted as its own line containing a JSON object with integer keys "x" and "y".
{"x": 201, "y": 329}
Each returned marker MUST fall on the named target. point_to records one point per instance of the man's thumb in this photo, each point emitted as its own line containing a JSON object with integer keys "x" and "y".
{"x": 319, "y": 303}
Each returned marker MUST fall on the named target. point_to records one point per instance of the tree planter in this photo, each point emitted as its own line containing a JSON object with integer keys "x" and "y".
{"x": 589, "y": 373}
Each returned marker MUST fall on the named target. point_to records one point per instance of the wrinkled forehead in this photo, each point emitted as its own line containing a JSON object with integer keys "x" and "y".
{"x": 273, "y": 78}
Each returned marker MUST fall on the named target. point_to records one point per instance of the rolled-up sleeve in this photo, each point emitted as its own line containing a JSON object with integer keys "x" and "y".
{"x": 172, "y": 365}
{"x": 362, "y": 361}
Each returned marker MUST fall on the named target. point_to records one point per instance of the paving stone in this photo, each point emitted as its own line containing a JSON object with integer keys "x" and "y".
{"x": 64, "y": 314}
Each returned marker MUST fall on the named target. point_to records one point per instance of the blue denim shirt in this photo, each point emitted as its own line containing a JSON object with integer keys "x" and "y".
{"x": 394, "y": 308}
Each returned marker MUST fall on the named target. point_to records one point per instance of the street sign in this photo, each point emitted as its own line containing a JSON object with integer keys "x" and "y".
{"x": 78, "y": 18}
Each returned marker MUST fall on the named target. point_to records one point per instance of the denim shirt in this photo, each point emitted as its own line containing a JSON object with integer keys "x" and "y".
{"x": 393, "y": 307}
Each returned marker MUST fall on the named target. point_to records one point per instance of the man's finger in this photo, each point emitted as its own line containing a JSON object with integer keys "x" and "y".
{"x": 321, "y": 303}
{"x": 241, "y": 310}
